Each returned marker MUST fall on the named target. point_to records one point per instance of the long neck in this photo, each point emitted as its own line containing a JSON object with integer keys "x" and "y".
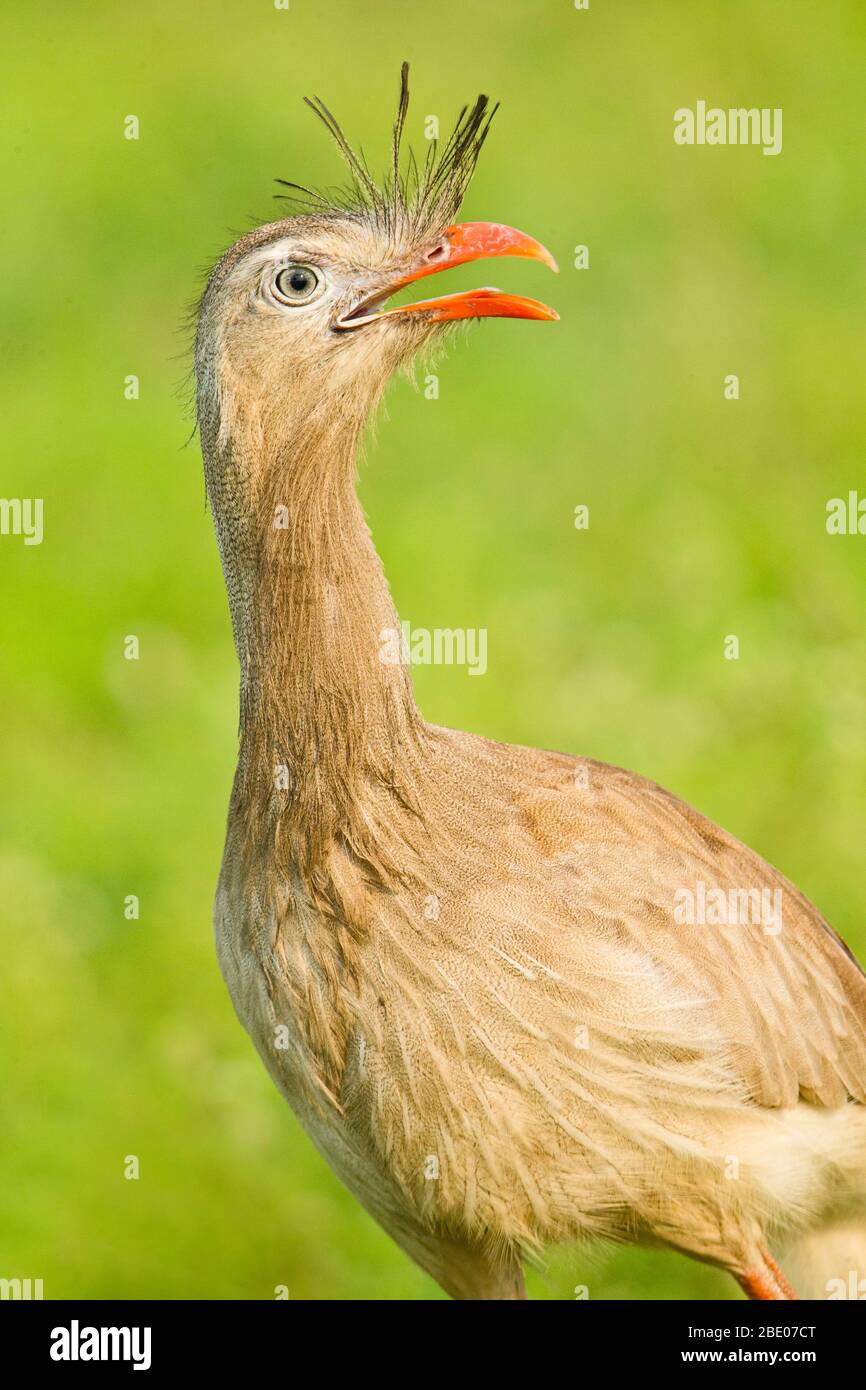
{"x": 323, "y": 716}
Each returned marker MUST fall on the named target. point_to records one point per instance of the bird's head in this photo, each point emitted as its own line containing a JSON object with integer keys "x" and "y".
{"x": 296, "y": 324}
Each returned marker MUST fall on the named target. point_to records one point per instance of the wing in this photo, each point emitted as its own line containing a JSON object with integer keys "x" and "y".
{"x": 785, "y": 993}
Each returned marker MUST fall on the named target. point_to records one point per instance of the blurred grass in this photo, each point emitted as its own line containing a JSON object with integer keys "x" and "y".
{"x": 707, "y": 518}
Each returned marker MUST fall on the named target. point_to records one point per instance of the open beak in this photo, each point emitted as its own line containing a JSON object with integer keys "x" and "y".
{"x": 468, "y": 241}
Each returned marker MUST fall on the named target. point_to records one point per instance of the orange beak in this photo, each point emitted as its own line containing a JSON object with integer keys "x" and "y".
{"x": 468, "y": 241}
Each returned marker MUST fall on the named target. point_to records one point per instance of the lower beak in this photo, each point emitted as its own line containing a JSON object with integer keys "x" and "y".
{"x": 467, "y": 241}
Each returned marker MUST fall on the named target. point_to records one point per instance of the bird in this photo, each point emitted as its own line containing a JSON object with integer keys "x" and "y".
{"x": 516, "y": 998}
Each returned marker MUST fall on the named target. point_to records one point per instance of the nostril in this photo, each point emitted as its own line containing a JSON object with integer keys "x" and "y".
{"x": 438, "y": 253}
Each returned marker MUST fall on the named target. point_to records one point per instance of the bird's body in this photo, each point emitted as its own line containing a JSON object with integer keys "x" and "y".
{"x": 467, "y": 965}
{"x": 530, "y": 1052}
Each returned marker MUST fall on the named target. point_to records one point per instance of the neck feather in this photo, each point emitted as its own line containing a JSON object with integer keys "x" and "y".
{"x": 324, "y": 721}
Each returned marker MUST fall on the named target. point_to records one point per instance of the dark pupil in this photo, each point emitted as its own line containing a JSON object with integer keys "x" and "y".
{"x": 299, "y": 281}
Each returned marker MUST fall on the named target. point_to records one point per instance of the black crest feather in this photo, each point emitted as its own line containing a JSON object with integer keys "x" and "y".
{"x": 413, "y": 201}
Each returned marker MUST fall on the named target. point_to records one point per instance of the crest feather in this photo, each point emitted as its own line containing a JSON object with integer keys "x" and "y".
{"x": 423, "y": 199}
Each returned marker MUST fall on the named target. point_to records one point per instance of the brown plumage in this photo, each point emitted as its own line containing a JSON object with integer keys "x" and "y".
{"x": 467, "y": 965}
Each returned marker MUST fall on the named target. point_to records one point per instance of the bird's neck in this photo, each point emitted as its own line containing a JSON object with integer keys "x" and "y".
{"x": 323, "y": 717}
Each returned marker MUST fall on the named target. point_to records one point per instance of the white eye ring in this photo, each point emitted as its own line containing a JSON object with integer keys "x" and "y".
{"x": 297, "y": 284}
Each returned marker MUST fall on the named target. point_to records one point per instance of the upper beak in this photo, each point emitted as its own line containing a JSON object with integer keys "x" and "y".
{"x": 467, "y": 241}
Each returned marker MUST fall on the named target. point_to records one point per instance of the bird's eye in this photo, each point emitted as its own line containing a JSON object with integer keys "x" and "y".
{"x": 297, "y": 284}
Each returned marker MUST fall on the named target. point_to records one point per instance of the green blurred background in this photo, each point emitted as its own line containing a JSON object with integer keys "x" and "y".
{"x": 707, "y": 519}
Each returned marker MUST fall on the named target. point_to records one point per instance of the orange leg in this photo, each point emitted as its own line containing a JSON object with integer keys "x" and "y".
{"x": 768, "y": 1282}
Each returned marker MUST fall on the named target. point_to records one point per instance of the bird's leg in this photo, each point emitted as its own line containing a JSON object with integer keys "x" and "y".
{"x": 493, "y": 1284}
{"x": 787, "y": 1291}
{"x": 464, "y": 1269}
{"x": 513, "y": 1285}
{"x": 468, "y": 1275}
{"x": 766, "y": 1282}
